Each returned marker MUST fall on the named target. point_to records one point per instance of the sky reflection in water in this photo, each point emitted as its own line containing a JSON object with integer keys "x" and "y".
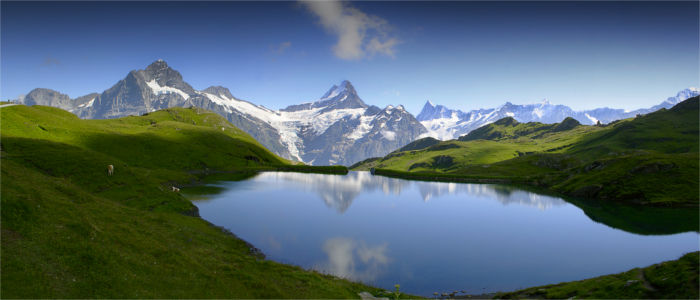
{"x": 428, "y": 236}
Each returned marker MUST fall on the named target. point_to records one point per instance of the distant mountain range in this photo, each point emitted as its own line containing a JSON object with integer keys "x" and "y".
{"x": 336, "y": 129}
{"x": 445, "y": 124}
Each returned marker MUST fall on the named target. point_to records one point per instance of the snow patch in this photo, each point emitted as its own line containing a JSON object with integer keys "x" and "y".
{"x": 442, "y": 128}
{"x": 87, "y": 104}
{"x": 335, "y": 91}
{"x": 321, "y": 121}
{"x": 538, "y": 112}
{"x": 362, "y": 129}
{"x": 389, "y": 135}
{"x": 284, "y": 125}
{"x": 594, "y": 120}
{"x": 158, "y": 89}
{"x": 220, "y": 101}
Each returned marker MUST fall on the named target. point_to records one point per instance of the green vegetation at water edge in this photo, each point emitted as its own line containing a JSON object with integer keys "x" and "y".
{"x": 676, "y": 279}
{"x": 648, "y": 160}
{"x": 71, "y": 231}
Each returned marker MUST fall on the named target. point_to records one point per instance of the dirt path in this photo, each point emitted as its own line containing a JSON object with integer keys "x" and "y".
{"x": 644, "y": 281}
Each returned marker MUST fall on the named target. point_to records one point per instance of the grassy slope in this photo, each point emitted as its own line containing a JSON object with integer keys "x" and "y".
{"x": 71, "y": 231}
{"x": 419, "y": 144}
{"x": 672, "y": 279}
{"x": 652, "y": 159}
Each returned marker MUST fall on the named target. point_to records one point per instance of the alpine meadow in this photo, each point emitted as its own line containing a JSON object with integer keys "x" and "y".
{"x": 350, "y": 149}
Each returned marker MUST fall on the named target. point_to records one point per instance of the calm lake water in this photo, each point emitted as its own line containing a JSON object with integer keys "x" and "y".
{"x": 427, "y": 236}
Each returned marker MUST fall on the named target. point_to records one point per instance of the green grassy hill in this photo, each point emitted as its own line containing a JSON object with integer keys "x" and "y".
{"x": 677, "y": 279}
{"x": 649, "y": 160}
{"x": 71, "y": 231}
{"x": 419, "y": 144}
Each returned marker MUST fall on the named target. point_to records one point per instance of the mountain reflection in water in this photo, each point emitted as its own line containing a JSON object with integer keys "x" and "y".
{"x": 338, "y": 191}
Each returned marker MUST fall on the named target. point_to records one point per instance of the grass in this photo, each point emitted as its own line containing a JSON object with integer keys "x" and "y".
{"x": 649, "y": 160}
{"x": 676, "y": 279}
{"x": 71, "y": 231}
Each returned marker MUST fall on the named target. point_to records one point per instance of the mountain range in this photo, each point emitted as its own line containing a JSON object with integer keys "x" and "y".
{"x": 339, "y": 128}
{"x": 446, "y": 124}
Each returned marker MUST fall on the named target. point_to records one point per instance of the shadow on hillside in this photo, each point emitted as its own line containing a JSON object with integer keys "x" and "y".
{"x": 86, "y": 170}
{"x": 182, "y": 149}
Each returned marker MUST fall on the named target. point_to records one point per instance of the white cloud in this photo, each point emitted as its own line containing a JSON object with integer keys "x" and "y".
{"x": 386, "y": 47}
{"x": 343, "y": 254}
{"x": 359, "y": 34}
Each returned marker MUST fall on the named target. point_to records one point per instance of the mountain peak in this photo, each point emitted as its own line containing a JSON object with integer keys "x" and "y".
{"x": 431, "y": 111}
{"x": 507, "y": 121}
{"x": 157, "y": 65}
{"x": 164, "y": 75}
{"x": 682, "y": 95}
{"x": 345, "y": 88}
{"x": 159, "y": 69}
{"x": 219, "y": 91}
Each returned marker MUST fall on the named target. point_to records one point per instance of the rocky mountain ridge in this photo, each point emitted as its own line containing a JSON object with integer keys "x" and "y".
{"x": 338, "y": 128}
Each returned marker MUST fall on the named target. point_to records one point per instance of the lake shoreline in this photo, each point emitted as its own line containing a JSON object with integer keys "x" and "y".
{"x": 528, "y": 183}
{"x": 465, "y": 296}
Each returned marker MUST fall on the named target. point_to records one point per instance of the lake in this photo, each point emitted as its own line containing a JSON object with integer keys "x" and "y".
{"x": 433, "y": 236}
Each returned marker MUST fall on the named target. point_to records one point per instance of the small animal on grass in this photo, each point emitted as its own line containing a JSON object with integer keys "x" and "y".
{"x": 110, "y": 170}
{"x": 175, "y": 189}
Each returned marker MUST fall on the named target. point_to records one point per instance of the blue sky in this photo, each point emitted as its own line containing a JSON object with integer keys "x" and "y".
{"x": 465, "y": 55}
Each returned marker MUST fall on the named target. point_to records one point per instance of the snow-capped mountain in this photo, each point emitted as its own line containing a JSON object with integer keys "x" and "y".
{"x": 445, "y": 123}
{"x": 338, "y": 128}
